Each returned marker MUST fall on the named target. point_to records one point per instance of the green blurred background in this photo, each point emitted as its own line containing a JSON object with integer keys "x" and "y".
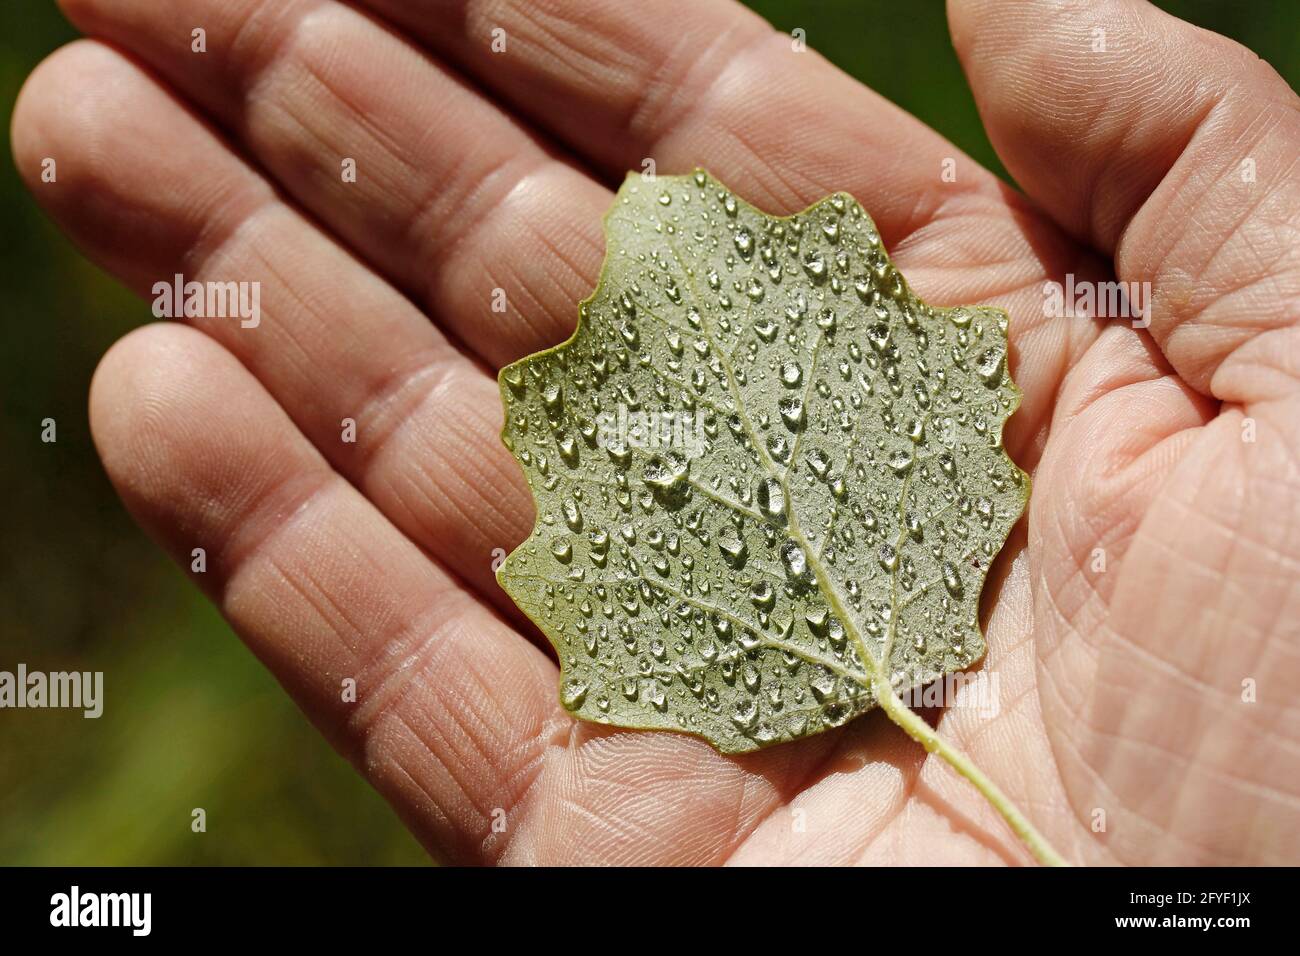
{"x": 191, "y": 719}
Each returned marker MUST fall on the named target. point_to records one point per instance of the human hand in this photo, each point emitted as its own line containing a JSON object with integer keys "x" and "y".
{"x": 1156, "y": 572}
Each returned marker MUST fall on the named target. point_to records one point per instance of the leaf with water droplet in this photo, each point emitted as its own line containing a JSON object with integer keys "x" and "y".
{"x": 768, "y": 477}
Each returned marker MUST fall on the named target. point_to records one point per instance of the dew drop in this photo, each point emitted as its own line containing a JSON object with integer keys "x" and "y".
{"x": 950, "y": 579}
{"x": 771, "y": 500}
{"x": 667, "y": 473}
{"x": 900, "y": 462}
{"x": 795, "y": 561}
{"x": 745, "y": 715}
{"x": 888, "y": 558}
{"x": 573, "y": 694}
{"x": 732, "y": 546}
{"x": 569, "y": 451}
{"x": 744, "y": 240}
{"x": 792, "y": 415}
{"x": 763, "y": 596}
{"x": 815, "y": 265}
{"x": 823, "y": 686}
{"x": 819, "y": 462}
{"x": 553, "y": 398}
{"x": 572, "y": 514}
{"x": 988, "y": 366}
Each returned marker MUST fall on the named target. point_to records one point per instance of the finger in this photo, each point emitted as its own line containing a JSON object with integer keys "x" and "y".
{"x": 149, "y": 193}
{"x": 708, "y": 84}
{"x": 455, "y": 721}
{"x": 436, "y": 188}
{"x": 451, "y": 708}
{"x": 979, "y": 249}
{"x": 1172, "y": 148}
{"x": 721, "y": 89}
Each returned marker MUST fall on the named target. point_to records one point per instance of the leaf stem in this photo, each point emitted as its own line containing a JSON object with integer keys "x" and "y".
{"x": 900, "y": 713}
{"x": 916, "y": 728}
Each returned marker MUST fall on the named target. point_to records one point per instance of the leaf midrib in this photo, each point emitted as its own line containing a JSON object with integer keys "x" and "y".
{"x": 825, "y": 584}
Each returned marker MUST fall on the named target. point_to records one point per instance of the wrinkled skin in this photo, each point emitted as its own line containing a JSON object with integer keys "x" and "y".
{"x": 1120, "y": 670}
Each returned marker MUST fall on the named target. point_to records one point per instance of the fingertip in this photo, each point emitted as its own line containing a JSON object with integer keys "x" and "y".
{"x": 1090, "y": 103}
{"x": 142, "y": 393}
{"x": 76, "y": 123}
{"x": 122, "y": 165}
{"x": 57, "y": 98}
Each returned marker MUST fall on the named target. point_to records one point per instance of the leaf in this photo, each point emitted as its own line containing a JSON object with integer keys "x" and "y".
{"x": 769, "y": 479}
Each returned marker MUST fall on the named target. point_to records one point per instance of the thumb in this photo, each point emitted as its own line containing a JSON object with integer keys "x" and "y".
{"x": 1167, "y": 146}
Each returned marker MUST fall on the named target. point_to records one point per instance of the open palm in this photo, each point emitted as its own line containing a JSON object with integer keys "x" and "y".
{"x": 1141, "y": 623}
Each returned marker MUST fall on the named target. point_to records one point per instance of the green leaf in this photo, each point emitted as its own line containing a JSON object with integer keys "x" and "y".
{"x": 769, "y": 479}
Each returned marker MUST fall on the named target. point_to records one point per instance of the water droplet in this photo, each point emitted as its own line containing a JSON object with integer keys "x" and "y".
{"x": 988, "y": 366}
{"x": 791, "y": 410}
{"x": 950, "y": 579}
{"x": 573, "y": 693}
{"x": 667, "y": 473}
{"x": 771, "y": 500}
{"x": 572, "y": 514}
{"x": 796, "y": 562}
{"x": 888, "y": 558}
{"x": 900, "y": 462}
{"x": 553, "y": 398}
{"x": 766, "y": 329}
{"x": 823, "y": 686}
{"x": 763, "y": 596}
{"x": 815, "y": 265}
{"x": 819, "y": 462}
{"x": 744, "y": 240}
{"x": 569, "y": 451}
{"x": 745, "y": 716}
{"x": 732, "y": 546}
{"x": 619, "y": 454}
{"x": 514, "y": 377}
